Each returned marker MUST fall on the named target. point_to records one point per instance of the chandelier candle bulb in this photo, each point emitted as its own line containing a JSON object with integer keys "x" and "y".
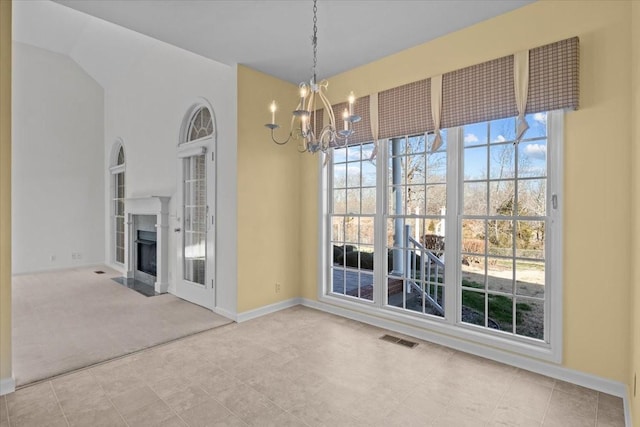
{"x": 303, "y": 96}
{"x": 272, "y": 108}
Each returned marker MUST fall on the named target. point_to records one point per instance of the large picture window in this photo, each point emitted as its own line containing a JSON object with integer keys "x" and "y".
{"x": 459, "y": 236}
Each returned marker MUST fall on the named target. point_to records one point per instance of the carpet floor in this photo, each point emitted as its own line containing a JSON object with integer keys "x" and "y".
{"x": 70, "y": 319}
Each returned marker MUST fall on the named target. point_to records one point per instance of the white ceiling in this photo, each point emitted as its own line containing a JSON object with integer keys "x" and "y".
{"x": 273, "y": 36}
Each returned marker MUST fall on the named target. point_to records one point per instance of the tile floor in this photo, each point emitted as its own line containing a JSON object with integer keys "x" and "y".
{"x": 302, "y": 367}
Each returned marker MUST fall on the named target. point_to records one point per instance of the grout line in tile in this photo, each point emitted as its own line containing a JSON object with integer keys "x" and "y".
{"x": 546, "y": 410}
{"x": 6, "y": 406}
{"x": 59, "y": 404}
{"x": 169, "y": 406}
{"x": 109, "y": 398}
{"x": 595, "y": 422}
{"x": 504, "y": 392}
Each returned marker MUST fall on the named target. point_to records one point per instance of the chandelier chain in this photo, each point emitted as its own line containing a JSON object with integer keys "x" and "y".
{"x": 314, "y": 39}
{"x": 315, "y": 137}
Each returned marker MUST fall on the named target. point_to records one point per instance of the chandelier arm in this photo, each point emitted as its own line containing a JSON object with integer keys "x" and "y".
{"x": 273, "y": 138}
{"x": 327, "y": 106}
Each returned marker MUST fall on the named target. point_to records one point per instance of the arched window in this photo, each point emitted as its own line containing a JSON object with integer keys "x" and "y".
{"x": 201, "y": 125}
{"x": 117, "y": 210}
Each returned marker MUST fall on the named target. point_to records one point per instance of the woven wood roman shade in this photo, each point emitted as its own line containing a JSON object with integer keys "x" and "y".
{"x": 474, "y": 94}
{"x": 361, "y": 129}
{"x": 405, "y": 110}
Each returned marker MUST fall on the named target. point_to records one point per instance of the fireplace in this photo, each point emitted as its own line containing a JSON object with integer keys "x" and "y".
{"x": 147, "y": 239}
{"x": 146, "y": 252}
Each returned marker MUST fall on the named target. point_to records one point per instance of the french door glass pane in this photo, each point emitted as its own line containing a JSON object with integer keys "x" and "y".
{"x": 195, "y": 220}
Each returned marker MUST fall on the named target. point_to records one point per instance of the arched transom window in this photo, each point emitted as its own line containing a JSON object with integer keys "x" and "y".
{"x": 201, "y": 125}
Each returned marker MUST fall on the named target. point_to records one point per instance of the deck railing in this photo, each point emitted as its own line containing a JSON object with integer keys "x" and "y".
{"x": 424, "y": 272}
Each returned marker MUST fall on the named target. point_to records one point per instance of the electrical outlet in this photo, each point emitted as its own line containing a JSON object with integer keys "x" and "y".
{"x": 277, "y": 288}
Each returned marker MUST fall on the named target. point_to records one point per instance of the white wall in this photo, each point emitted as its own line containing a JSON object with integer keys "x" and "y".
{"x": 57, "y": 162}
{"x": 145, "y": 109}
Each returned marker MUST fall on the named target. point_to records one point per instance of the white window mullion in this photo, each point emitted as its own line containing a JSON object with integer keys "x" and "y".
{"x": 380, "y": 221}
{"x": 452, "y": 225}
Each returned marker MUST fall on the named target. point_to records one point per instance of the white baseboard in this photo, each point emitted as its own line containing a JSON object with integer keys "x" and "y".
{"x": 267, "y": 309}
{"x": 61, "y": 268}
{"x": 7, "y": 385}
{"x": 594, "y": 382}
{"x": 224, "y": 313}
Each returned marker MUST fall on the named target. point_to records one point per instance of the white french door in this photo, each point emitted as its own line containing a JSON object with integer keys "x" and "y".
{"x": 196, "y": 235}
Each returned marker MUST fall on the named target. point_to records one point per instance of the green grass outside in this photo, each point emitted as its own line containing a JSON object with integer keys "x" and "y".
{"x": 500, "y": 307}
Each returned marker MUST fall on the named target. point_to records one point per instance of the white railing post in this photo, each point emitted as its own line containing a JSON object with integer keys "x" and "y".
{"x": 407, "y": 259}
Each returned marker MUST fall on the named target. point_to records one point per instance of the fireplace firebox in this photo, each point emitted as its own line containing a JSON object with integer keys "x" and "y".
{"x": 146, "y": 245}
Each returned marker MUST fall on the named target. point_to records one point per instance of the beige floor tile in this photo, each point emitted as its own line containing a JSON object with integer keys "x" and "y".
{"x": 577, "y": 409}
{"x": 610, "y": 411}
{"x": 570, "y": 404}
{"x": 457, "y": 419}
{"x": 284, "y": 419}
{"x": 150, "y": 415}
{"x": 132, "y": 400}
{"x": 205, "y": 414}
{"x": 529, "y": 398}
{"x": 577, "y": 391}
{"x": 174, "y": 421}
{"x": 99, "y": 417}
{"x": 249, "y": 405}
{"x": 4, "y": 415}
{"x": 33, "y": 402}
{"x": 43, "y": 420}
{"x": 187, "y": 398}
{"x": 217, "y": 383}
{"x": 228, "y": 421}
{"x": 284, "y": 392}
{"x": 4, "y": 423}
{"x": 79, "y": 404}
{"x": 536, "y": 378}
{"x": 505, "y": 416}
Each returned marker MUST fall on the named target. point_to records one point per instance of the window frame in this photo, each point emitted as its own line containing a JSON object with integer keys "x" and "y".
{"x": 449, "y": 330}
{"x": 116, "y": 169}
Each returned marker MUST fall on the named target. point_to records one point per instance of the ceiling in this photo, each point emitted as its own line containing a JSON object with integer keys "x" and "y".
{"x": 273, "y": 36}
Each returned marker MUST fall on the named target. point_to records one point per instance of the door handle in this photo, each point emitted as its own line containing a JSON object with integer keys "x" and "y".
{"x": 177, "y": 230}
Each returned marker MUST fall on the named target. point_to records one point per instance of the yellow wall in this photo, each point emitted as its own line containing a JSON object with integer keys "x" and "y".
{"x": 597, "y": 267}
{"x": 5, "y": 190}
{"x": 635, "y": 212}
{"x": 268, "y": 194}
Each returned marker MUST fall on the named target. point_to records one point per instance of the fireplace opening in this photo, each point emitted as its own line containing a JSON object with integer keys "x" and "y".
{"x": 147, "y": 253}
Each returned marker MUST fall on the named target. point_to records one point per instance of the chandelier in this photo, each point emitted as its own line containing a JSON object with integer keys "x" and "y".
{"x": 304, "y": 124}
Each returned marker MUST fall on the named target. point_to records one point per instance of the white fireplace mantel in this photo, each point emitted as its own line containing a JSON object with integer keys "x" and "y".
{"x": 157, "y": 206}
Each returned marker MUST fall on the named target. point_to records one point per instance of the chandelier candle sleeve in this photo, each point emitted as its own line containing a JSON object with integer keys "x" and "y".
{"x": 345, "y": 118}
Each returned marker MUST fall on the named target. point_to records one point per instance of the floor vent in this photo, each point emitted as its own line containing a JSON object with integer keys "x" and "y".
{"x": 99, "y": 272}
{"x": 399, "y": 341}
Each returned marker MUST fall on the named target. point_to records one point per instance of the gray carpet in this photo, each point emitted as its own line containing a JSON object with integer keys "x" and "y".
{"x": 71, "y": 319}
